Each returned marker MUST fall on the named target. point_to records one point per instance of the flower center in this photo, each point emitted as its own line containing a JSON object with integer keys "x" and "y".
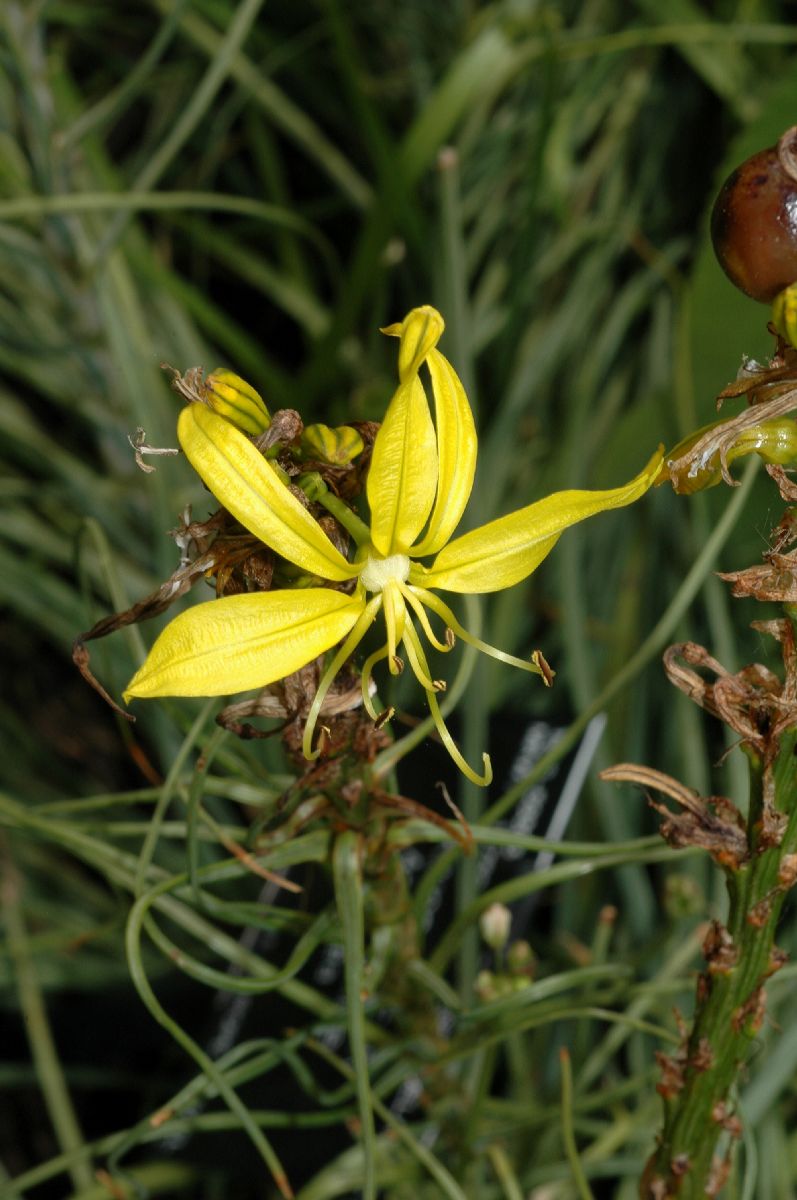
{"x": 378, "y": 572}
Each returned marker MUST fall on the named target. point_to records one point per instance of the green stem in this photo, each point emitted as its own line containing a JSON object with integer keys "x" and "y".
{"x": 49, "y": 1070}
{"x": 349, "y": 894}
{"x": 314, "y": 488}
{"x": 730, "y": 1005}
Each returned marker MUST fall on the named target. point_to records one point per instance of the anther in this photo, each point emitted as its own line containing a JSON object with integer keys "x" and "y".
{"x": 383, "y": 717}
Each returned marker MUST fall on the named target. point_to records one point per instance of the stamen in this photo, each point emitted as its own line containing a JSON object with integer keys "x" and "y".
{"x": 420, "y": 667}
{"x": 420, "y": 613}
{"x": 546, "y": 670}
{"x": 352, "y": 641}
{"x": 441, "y": 608}
{"x": 395, "y": 615}
{"x": 451, "y": 746}
{"x": 382, "y": 719}
{"x": 367, "y": 671}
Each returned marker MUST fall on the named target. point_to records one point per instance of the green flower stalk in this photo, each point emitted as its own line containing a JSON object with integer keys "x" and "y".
{"x": 418, "y": 485}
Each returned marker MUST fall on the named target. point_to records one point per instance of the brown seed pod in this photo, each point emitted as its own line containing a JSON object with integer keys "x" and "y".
{"x": 754, "y": 221}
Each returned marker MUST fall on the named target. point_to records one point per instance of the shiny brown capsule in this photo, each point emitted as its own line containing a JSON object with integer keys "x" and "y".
{"x": 754, "y": 221}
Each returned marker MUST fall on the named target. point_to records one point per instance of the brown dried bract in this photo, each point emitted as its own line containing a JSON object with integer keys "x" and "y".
{"x": 718, "y": 1176}
{"x": 719, "y": 950}
{"x": 713, "y": 823}
{"x": 672, "y": 1068}
{"x": 759, "y": 913}
{"x": 679, "y": 1165}
{"x": 775, "y": 579}
{"x": 702, "y": 1057}
{"x": 290, "y": 699}
{"x": 751, "y": 1014}
{"x": 786, "y": 486}
{"x": 722, "y": 1115}
{"x": 285, "y": 429}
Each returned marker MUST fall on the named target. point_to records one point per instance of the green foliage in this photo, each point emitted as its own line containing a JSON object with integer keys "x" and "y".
{"x": 203, "y": 183}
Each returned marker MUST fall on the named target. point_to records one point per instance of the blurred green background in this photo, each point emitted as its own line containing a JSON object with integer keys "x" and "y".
{"x": 261, "y": 186}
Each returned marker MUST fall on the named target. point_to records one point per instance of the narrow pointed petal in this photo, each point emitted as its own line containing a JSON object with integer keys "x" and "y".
{"x": 248, "y": 486}
{"x": 243, "y": 642}
{"x": 456, "y": 447}
{"x": 403, "y": 475}
{"x": 420, "y": 331}
{"x": 505, "y": 551}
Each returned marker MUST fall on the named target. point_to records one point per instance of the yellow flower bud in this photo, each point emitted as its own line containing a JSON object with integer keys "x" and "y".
{"x": 337, "y": 447}
{"x": 236, "y": 400}
{"x": 774, "y": 441}
{"x": 420, "y": 331}
{"x": 784, "y": 314}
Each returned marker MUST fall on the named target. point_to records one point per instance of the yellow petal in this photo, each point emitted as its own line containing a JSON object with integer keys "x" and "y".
{"x": 243, "y": 642}
{"x": 420, "y": 331}
{"x": 505, "y": 551}
{"x": 456, "y": 448}
{"x": 403, "y": 475}
{"x": 249, "y": 488}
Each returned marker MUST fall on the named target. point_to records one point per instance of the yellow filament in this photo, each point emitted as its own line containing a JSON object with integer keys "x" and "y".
{"x": 367, "y": 671}
{"x": 441, "y": 608}
{"x": 420, "y": 612}
{"x": 347, "y": 649}
{"x": 420, "y": 667}
{"x": 395, "y": 615}
{"x": 412, "y": 643}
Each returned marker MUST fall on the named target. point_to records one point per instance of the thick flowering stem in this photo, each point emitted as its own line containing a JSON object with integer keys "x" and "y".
{"x": 697, "y": 1082}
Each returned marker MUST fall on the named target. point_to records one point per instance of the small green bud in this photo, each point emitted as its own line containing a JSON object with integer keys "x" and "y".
{"x": 485, "y": 986}
{"x": 520, "y": 958}
{"x": 312, "y": 485}
{"x": 336, "y": 447}
{"x": 683, "y": 897}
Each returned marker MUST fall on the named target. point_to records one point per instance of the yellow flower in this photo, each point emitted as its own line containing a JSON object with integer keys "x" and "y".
{"x": 418, "y": 486}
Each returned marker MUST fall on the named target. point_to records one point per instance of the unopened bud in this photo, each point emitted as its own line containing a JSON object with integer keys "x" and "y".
{"x": 520, "y": 958}
{"x": 336, "y": 447}
{"x": 236, "y": 400}
{"x": 420, "y": 331}
{"x": 485, "y": 986}
{"x": 494, "y": 924}
{"x": 784, "y": 314}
